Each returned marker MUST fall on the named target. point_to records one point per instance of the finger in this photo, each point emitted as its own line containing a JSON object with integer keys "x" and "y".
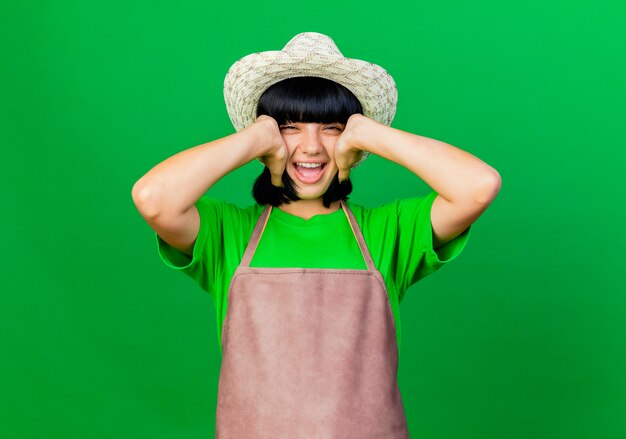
{"x": 277, "y": 181}
{"x": 344, "y": 165}
{"x": 344, "y": 173}
{"x": 276, "y": 173}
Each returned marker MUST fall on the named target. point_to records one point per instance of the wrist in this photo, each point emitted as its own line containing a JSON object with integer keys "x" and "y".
{"x": 269, "y": 139}
{"x": 362, "y": 132}
{"x": 259, "y": 137}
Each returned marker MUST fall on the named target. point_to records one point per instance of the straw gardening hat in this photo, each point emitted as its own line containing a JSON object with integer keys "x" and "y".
{"x": 307, "y": 54}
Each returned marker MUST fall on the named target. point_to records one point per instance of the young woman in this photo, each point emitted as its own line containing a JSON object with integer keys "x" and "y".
{"x": 307, "y": 284}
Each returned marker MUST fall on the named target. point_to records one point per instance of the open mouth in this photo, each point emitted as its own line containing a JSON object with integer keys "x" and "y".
{"x": 309, "y": 172}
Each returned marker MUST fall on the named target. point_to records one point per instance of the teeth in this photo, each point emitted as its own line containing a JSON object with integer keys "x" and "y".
{"x": 309, "y": 165}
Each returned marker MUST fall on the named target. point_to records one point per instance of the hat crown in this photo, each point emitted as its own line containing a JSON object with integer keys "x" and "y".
{"x": 307, "y": 54}
{"x": 313, "y": 42}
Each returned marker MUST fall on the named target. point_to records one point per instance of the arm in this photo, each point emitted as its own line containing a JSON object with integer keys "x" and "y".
{"x": 166, "y": 195}
{"x": 465, "y": 185}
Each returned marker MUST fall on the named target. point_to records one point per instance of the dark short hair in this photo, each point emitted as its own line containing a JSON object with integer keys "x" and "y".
{"x": 304, "y": 99}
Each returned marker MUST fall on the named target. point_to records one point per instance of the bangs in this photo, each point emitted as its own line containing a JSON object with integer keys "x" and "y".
{"x": 308, "y": 99}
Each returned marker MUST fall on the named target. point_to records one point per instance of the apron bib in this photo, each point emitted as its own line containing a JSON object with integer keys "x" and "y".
{"x": 309, "y": 353}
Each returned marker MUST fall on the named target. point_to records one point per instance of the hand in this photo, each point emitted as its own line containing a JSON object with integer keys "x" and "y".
{"x": 348, "y": 149}
{"x": 275, "y": 152}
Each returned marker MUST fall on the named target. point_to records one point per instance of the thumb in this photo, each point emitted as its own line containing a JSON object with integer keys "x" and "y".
{"x": 276, "y": 173}
{"x": 344, "y": 173}
{"x": 343, "y": 166}
{"x": 277, "y": 180}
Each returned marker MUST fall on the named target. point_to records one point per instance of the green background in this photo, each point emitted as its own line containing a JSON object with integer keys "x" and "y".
{"x": 523, "y": 336}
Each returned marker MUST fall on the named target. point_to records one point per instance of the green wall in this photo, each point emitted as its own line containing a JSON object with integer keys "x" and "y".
{"x": 523, "y": 336}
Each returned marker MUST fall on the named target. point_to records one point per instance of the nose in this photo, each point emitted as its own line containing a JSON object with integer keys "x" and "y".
{"x": 311, "y": 141}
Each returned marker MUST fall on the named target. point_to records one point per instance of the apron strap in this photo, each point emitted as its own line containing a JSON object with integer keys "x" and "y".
{"x": 262, "y": 222}
{"x": 256, "y": 236}
{"x": 359, "y": 236}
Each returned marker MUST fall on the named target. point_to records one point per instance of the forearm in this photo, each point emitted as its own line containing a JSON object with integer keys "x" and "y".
{"x": 174, "y": 185}
{"x": 456, "y": 175}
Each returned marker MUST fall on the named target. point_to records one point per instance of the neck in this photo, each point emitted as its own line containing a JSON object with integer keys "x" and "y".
{"x": 308, "y": 208}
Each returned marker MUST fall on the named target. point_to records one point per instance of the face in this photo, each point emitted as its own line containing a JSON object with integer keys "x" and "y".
{"x": 311, "y": 163}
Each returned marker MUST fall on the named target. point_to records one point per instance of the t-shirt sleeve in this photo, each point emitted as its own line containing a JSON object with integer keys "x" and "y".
{"x": 202, "y": 264}
{"x": 416, "y": 257}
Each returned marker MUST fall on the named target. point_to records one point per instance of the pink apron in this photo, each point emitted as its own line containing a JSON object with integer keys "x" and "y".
{"x": 309, "y": 353}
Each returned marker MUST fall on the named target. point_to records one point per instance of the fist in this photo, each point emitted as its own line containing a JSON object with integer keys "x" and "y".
{"x": 274, "y": 150}
{"x": 348, "y": 149}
